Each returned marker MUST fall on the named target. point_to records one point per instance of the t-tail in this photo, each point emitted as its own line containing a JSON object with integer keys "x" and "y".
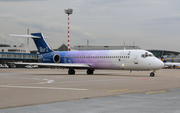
{"x": 41, "y": 44}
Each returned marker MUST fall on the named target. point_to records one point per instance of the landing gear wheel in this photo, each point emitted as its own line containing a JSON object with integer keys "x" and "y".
{"x": 90, "y": 71}
{"x": 71, "y": 71}
{"x": 152, "y": 74}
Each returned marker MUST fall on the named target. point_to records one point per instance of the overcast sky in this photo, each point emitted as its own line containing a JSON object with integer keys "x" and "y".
{"x": 151, "y": 24}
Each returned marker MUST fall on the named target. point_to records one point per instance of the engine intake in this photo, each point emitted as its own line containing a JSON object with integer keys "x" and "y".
{"x": 56, "y": 58}
{"x": 49, "y": 58}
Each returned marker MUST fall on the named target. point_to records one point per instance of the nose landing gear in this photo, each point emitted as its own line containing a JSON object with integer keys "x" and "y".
{"x": 152, "y": 74}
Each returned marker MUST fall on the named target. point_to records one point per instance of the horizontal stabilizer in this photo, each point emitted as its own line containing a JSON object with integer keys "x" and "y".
{"x": 31, "y": 36}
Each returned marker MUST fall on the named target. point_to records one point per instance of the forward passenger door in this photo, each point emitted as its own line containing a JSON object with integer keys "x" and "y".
{"x": 136, "y": 59}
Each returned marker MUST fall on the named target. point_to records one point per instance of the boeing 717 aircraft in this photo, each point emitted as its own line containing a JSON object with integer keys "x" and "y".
{"x": 138, "y": 60}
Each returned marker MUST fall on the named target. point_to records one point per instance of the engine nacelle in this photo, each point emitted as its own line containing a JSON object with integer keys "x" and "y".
{"x": 49, "y": 58}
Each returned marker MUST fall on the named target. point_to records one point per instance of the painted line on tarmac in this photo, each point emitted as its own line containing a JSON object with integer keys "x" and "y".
{"x": 118, "y": 90}
{"x": 155, "y": 92}
{"x": 47, "y": 81}
{"x": 30, "y": 87}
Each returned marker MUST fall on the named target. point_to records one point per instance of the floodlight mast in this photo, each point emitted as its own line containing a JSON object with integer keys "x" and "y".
{"x": 68, "y": 11}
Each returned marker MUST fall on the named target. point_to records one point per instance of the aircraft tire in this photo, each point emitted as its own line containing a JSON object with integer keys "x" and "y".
{"x": 90, "y": 71}
{"x": 71, "y": 71}
{"x": 152, "y": 74}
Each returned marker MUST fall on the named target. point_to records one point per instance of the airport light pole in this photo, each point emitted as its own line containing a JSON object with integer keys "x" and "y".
{"x": 68, "y": 12}
{"x": 28, "y": 37}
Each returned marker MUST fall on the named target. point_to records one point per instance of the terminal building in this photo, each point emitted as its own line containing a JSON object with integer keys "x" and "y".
{"x": 15, "y": 53}
{"x": 171, "y": 56}
{"x": 14, "y": 49}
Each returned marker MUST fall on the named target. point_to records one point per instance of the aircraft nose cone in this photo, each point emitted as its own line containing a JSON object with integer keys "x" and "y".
{"x": 160, "y": 64}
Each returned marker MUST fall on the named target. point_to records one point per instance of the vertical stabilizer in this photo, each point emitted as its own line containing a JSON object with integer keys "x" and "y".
{"x": 162, "y": 59}
{"x": 41, "y": 44}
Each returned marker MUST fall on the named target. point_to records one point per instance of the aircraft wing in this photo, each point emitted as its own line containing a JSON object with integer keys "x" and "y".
{"x": 65, "y": 65}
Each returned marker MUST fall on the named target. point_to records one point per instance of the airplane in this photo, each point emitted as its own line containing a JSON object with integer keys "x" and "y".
{"x": 170, "y": 64}
{"x": 138, "y": 60}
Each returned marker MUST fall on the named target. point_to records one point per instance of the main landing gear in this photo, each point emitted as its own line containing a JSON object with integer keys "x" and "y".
{"x": 90, "y": 71}
{"x": 72, "y": 71}
{"x": 152, "y": 74}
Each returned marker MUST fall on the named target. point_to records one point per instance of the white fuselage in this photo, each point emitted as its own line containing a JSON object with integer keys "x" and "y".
{"x": 114, "y": 59}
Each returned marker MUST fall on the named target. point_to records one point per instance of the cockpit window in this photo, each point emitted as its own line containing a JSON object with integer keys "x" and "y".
{"x": 143, "y": 55}
{"x": 150, "y": 55}
{"x": 147, "y": 55}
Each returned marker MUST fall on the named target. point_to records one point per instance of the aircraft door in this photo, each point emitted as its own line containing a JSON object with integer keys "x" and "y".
{"x": 136, "y": 60}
